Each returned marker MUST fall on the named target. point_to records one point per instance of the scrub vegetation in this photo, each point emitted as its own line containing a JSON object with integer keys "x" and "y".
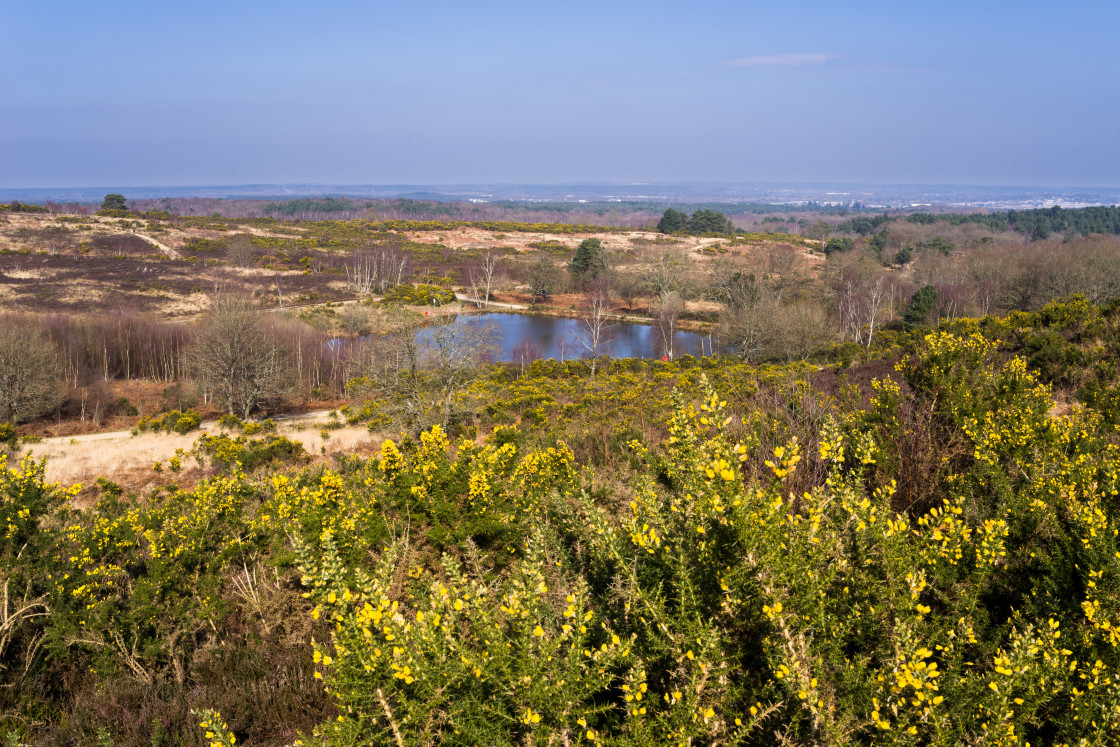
{"x": 888, "y": 516}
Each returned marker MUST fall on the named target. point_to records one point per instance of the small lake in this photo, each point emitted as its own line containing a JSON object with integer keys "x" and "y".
{"x": 560, "y": 338}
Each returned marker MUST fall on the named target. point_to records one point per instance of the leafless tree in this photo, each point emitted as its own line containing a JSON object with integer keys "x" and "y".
{"x": 525, "y": 352}
{"x": 240, "y": 251}
{"x": 629, "y": 287}
{"x": 234, "y": 357}
{"x": 667, "y": 271}
{"x": 30, "y": 373}
{"x": 595, "y": 325}
{"x": 858, "y": 304}
{"x": 355, "y": 320}
{"x": 781, "y": 262}
{"x": 564, "y": 346}
{"x": 482, "y": 278}
{"x": 733, "y": 284}
{"x": 668, "y": 314}
{"x": 860, "y": 291}
{"x": 418, "y": 372}
{"x": 799, "y": 330}
{"x": 748, "y": 326}
{"x": 986, "y": 269}
{"x": 376, "y": 270}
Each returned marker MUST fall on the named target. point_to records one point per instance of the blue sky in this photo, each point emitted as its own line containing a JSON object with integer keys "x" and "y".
{"x": 984, "y": 92}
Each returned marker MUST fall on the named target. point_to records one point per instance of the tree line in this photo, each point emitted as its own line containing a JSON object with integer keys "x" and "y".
{"x": 238, "y": 358}
{"x": 1038, "y": 224}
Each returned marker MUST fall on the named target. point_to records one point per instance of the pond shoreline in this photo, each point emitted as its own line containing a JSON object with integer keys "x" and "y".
{"x": 683, "y": 325}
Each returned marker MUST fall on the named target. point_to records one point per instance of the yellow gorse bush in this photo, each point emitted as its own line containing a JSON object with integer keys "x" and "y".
{"x": 741, "y": 582}
{"x": 871, "y": 625}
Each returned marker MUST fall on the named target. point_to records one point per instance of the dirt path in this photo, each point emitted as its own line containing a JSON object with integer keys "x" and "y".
{"x": 467, "y": 299}
{"x": 117, "y": 454}
{"x": 171, "y": 253}
{"x": 209, "y": 426}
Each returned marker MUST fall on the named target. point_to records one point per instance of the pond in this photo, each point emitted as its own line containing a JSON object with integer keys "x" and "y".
{"x": 561, "y": 338}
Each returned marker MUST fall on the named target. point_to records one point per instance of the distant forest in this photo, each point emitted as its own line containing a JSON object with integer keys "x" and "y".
{"x": 1037, "y": 224}
{"x": 805, "y": 219}
{"x": 628, "y": 214}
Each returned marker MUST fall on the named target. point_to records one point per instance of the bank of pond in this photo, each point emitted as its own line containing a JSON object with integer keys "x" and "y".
{"x": 532, "y": 336}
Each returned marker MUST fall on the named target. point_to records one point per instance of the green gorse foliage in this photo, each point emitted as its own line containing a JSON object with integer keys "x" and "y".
{"x": 759, "y": 567}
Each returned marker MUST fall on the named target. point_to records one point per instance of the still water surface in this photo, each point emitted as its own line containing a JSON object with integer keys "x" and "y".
{"x": 560, "y": 338}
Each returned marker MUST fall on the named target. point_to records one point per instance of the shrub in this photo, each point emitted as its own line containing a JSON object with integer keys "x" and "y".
{"x": 125, "y": 407}
{"x": 250, "y": 453}
{"x": 419, "y": 295}
{"x": 168, "y": 422}
{"x": 8, "y": 435}
{"x": 229, "y": 421}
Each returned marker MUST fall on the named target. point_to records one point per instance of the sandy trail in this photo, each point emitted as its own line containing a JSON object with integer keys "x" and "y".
{"x": 82, "y": 459}
{"x": 171, "y": 253}
{"x": 495, "y": 304}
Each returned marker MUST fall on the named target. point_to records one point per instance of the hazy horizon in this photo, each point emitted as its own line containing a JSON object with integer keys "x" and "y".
{"x": 999, "y": 94}
{"x": 552, "y": 184}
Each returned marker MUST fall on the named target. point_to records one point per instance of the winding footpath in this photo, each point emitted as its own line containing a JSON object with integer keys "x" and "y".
{"x": 171, "y": 253}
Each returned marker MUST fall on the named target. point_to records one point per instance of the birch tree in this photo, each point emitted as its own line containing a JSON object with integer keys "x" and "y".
{"x": 595, "y": 324}
{"x": 234, "y": 357}
{"x": 30, "y": 373}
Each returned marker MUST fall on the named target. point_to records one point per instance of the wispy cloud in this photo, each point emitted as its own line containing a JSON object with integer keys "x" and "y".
{"x": 789, "y": 59}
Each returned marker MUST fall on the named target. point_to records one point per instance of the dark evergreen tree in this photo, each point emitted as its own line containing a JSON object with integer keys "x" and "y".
{"x": 710, "y": 221}
{"x": 673, "y": 221}
{"x": 941, "y": 245}
{"x": 921, "y": 306}
{"x": 114, "y": 202}
{"x": 590, "y": 261}
{"x": 878, "y": 242}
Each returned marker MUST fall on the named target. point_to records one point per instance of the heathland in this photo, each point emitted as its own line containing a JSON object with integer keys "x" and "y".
{"x": 885, "y": 514}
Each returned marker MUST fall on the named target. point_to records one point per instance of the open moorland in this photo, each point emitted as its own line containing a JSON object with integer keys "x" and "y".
{"x": 266, "y": 484}
{"x": 168, "y": 267}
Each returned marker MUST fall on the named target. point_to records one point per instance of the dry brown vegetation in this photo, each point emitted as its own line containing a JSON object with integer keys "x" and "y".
{"x": 130, "y": 460}
{"x": 112, "y": 301}
{"x": 91, "y": 264}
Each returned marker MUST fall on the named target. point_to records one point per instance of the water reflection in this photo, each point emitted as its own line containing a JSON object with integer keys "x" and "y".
{"x": 559, "y": 338}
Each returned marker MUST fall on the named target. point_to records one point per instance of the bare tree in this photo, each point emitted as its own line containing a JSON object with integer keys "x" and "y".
{"x": 30, "y": 371}
{"x": 564, "y": 345}
{"x": 355, "y": 320}
{"x": 799, "y": 330}
{"x": 668, "y": 314}
{"x": 629, "y": 288}
{"x": 667, "y": 271}
{"x": 544, "y": 276}
{"x": 748, "y": 326}
{"x": 986, "y": 270}
{"x": 234, "y": 357}
{"x": 781, "y": 265}
{"x": 376, "y": 270}
{"x": 417, "y": 373}
{"x": 733, "y": 285}
{"x": 525, "y": 352}
{"x": 595, "y": 323}
{"x": 482, "y": 278}
{"x": 240, "y": 251}
{"x": 860, "y": 291}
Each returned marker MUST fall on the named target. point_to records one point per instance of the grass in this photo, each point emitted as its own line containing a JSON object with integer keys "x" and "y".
{"x": 129, "y": 460}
